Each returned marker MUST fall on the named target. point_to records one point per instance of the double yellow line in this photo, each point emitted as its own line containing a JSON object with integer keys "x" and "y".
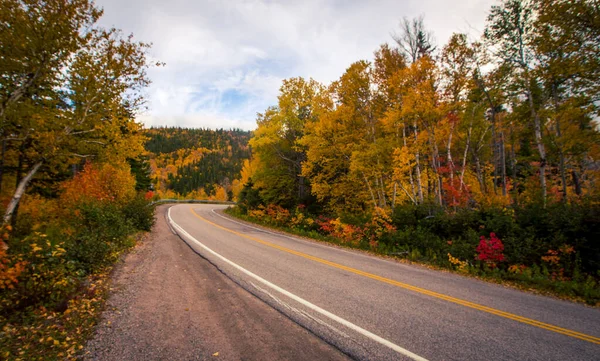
{"x": 493, "y": 311}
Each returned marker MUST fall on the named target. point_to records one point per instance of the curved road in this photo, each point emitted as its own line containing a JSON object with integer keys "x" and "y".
{"x": 376, "y": 309}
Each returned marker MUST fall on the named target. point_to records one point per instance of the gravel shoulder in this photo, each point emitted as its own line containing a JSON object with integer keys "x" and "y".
{"x": 168, "y": 303}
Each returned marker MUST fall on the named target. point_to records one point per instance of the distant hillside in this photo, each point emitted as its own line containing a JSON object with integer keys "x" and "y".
{"x": 196, "y": 163}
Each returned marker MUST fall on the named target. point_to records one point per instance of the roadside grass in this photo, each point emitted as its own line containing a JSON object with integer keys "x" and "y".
{"x": 59, "y": 333}
{"x": 534, "y": 280}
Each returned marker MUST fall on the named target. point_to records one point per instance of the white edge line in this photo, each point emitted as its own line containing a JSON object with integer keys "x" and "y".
{"x": 300, "y": 300}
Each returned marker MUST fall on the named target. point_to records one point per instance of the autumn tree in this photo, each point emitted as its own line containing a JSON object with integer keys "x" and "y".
{"x": 345, "y": 148}
{"x": 457, "y": 66}
{"x": 69, "y": 91}
{"x": 469, "y": 126}
{"x": 276, "y": 145}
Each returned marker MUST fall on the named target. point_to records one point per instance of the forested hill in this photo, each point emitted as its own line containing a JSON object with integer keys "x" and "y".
{"x": 196, "y": 163}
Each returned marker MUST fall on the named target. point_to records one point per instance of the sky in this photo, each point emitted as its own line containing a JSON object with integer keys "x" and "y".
{"x": 226, "y": 59}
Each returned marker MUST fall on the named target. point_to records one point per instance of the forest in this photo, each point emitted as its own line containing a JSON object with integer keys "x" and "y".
{"x": 196, "y": 163}
{"x": 480, "y": 155}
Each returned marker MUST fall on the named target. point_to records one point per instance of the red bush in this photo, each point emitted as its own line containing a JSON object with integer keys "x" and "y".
{"x": 490, "y": 251}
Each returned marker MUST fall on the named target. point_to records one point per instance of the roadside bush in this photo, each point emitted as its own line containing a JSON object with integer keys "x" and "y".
{"x": 47, "y": 278}
{"x": 249, "y": 198}
{"x": 104, "y": 183}
{"x": 62, "y": 241}
{"x": 140, "y": 212}
{"x": 100, "y": 231}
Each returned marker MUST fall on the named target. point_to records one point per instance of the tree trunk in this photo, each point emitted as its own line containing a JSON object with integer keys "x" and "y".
{"x": 435, "y": 164}
{"x": 301, "y": 188}
{"x": 370, "y": 189}
{"x": 377, "y": 189}
{"x": 542, "y": 151}
{"x": 418, "y": 166}
{"x": 503, "y": 162}
{"x": 410, "y": 174}
{"x": 540, "y": 144}
{"x": 436, "y": 169}
{"x": 513, "y": 165}
{"x": 480, "y": 175}
{"x": 383, "y": 193}
{"x": 563, "y": 176}
{"x": 494, "y": 150}
{"x": 576, "y": 182}
{"x": 449, "y": 159}
{"x": 14, "y": 202}
{"x": 464, "y": 160}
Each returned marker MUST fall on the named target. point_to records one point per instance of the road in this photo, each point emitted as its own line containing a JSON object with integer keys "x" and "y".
{"x": 167, "y": 303}
{"x": 376, "y": 309}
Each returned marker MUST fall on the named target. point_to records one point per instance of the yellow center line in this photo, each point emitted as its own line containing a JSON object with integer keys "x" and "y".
{"x": 529, "y": 321}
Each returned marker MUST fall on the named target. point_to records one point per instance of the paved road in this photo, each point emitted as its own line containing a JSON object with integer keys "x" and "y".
{"x": 376, "y": 309}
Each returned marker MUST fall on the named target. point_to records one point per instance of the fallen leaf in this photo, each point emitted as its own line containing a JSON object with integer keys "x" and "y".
{"x": 216, "y": 354}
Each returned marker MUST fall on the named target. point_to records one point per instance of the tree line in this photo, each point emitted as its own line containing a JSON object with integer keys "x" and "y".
{"x": 196, "y": 163}
{"x": 505, "y": 119}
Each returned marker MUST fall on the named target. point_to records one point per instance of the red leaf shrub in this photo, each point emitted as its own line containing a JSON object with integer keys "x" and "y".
{"x": 490, "y": 251}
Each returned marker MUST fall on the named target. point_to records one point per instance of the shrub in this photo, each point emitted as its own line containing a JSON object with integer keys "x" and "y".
{"x": 249, "y": 198}
{"x": 140, "y": 212}
{"x": 10, "y": 268}
{"x": 47, "y": 277}
{"x": 490, "y": 251}
{"x": 100, "y": 231}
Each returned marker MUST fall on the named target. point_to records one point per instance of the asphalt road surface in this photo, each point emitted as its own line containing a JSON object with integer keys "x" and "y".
{"x": 377, "y": 309}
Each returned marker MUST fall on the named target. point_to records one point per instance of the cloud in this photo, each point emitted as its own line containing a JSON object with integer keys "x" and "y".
{"x": 225, "y": 60}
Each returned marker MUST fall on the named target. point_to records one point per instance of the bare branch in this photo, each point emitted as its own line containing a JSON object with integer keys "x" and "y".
{"x": 83, "y": 132}
{"x": 94, "y": 142}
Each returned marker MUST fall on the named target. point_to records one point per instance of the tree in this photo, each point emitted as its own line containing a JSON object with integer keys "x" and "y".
{"x": 414, "y": 40}
{"x": 567, "y": 42}
{"x": 457, "y": 74}
{"x": 140, "y": 168}
{"x": 511, "y": 29}
{"x": 276, "y": 145}
{"x": 69, "y": 90}
{"x": 249, "y": 197}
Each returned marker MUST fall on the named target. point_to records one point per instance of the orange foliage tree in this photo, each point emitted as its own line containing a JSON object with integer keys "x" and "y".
{"x": 105, "y": 183}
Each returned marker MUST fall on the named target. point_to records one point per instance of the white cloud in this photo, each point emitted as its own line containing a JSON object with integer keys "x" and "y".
{"x": 226, "y": 59}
